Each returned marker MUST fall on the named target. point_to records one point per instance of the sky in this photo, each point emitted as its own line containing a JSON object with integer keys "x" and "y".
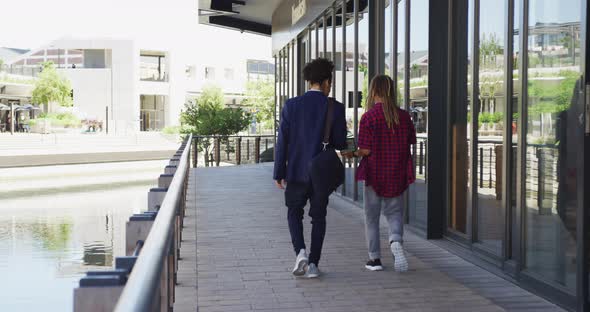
{"x": 32, "y": 23}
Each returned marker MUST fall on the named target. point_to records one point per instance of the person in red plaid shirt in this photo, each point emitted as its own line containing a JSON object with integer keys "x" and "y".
{"x": 386, "y": 133}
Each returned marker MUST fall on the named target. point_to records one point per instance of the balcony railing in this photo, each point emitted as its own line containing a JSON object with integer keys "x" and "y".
{"x": 234, "y": 150}
{"x": 21, "y": 70}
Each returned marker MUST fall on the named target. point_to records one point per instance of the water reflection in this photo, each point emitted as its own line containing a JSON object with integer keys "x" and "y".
{"x": 97, "y": 253}
{"x": 48, "y": 241}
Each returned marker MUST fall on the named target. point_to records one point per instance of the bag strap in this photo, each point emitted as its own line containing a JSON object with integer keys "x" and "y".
{"x": 328, "y": 123}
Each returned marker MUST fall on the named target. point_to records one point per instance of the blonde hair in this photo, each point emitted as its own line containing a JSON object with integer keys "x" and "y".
{"x": 382, "y": 86}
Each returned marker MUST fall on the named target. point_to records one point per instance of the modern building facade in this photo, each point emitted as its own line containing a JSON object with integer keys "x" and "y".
{"x": 131, "y": 86}
{"x": 499, "y": 95}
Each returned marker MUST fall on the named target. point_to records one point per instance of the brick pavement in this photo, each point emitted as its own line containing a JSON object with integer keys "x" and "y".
{"x": 244, "y": 256}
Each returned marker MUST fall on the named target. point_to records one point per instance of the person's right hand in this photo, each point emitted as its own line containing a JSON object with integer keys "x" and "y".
{"x": 280, "y": 184}
{"x": 347, "y": 154}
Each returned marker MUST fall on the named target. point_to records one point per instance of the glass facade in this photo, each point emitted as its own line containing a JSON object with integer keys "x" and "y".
{"x": 553, "y": 136}
{"x": 490, "y": 110}
{"x": 418, "y": 107}
{"x": 512, "y": 122}
{"x": 152, "y": 112}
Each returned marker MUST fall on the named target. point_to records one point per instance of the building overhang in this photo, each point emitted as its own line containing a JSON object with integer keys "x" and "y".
{"x": 284, "y": 20}
{"x": 252, "y": 16}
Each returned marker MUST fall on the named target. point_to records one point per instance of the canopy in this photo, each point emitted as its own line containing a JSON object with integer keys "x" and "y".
{"x": 27, "y": 107}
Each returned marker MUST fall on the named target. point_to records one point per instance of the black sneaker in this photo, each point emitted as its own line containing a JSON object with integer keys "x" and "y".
{"x": 374, "y": 265}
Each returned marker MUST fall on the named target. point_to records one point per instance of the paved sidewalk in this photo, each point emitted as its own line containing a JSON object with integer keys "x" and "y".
{"x": 244, "y": 257}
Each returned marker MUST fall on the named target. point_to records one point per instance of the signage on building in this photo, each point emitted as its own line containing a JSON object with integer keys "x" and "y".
{"x": 298, "y": 10}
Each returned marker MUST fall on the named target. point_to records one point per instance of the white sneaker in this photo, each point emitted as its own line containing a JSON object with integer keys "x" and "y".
{"x": 313, "y": 271}
{"x": 300, "y": 263}
{"x": 400, "y": 263}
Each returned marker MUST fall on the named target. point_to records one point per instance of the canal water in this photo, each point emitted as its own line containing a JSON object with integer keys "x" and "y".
{"x": 58, "y": 222}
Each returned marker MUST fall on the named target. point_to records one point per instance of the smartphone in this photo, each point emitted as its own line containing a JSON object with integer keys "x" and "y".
{"x": 350, "y": 145}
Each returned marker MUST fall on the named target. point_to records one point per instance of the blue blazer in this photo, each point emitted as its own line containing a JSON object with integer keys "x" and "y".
{"x": 301, "y": 132}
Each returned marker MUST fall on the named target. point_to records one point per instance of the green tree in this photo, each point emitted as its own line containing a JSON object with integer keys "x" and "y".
{"x": 489, "y": 48}
{"x": 260, "y": 96}
{"x": 208, "y": 116}
{"x": 52, "y": 87}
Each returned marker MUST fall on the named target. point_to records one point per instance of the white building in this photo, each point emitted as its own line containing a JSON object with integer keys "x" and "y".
{"x": 133, "y": 87}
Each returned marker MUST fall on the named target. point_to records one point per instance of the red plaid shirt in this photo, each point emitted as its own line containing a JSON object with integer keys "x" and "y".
{"x": 388, "y": 169}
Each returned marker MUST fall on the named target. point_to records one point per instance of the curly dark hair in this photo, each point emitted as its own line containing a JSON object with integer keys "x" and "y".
{"x": 318, "y": 70}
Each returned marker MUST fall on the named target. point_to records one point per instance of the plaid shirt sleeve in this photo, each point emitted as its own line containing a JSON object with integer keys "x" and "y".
{"x": 365, "y": 138}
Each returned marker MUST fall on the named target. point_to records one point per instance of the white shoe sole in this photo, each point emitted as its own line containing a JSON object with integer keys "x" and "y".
{"x": 312, "y": 275}
{"x": 299, "y": 269}
{"x": 374, "y": 268}
{"x": 400, "y": 263}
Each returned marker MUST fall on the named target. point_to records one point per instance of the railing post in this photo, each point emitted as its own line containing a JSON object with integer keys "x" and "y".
{"x": 195, "y": 152}
{"x": 238, "y": 151}
{"x": 257, "y": 150}
{"x": 217, "y": 151}
{"x": 247, "y": 149}
{"x": 266, "y": 144}
{"x": 414, "y": 158}
{"x": 480, "y": 167}
{"x": 491, "y": 164}
{"x": 421, "y": 157}
{"x": 498, "y": 166}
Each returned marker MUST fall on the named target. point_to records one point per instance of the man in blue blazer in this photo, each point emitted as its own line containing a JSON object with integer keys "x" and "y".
{"x": 299, "y": 139}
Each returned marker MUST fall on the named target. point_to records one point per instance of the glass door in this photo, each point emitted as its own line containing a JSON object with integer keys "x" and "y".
{"x": 304, "y": 57}
{"x": 553, "y": 141}
{"x": 488, "y": 111}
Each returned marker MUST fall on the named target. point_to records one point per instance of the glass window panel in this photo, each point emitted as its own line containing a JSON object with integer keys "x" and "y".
{"x": 329, "y": 37}
{"x": 321, "y": 38}
{"x": 388, "y": 37}
{"x": 401, "y": 48}
{"x": 460, "y": 136}
{"x": 553, "y": 136}
{"x": 294, "y": 72}
{"x": 349, "y": 68}
{"x": 419, "y": 108}
{"x": 363, "y": 72}
{"x": 338, "y": 61}
{"x": 314, "y": 43}
{"x": 490, "y": 223}
{"x": 515, "y": 113}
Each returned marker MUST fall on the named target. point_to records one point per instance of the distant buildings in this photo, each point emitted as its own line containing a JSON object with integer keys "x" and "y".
{"x": 129, "y": 87}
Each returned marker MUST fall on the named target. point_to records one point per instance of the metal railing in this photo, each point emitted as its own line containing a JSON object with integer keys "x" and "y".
{"x": 157, "y": 264}
{"x": 145, "y": 278}
{"x": 21, "y": 70}
{"x": 233, "y": 150}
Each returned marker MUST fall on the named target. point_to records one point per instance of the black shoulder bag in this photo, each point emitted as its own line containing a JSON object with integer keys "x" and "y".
{"x": 326, "y": 169}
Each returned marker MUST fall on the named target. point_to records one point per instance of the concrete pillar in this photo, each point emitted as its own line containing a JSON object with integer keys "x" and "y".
{"x": 170, "y": 169}
{"x": 164, "y": 180}
{"x": 156, "y": 197}
{"x": 137, "y": 229}
{"x": 98, "y": 293}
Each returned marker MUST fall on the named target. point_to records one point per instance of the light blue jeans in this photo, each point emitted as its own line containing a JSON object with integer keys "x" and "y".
{"x": 392, "y": 210}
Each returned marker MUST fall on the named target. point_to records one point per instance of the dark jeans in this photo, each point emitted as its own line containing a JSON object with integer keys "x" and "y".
{"x": 296, "y": 197}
